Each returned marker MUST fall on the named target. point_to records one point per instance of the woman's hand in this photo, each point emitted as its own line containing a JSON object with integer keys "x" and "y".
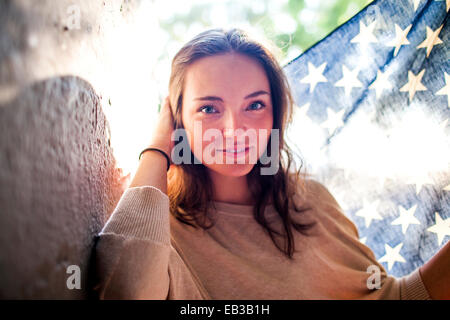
{"x": 436, "y": 274}
{"x": 152, "y": 169}
{"x": 162, "y": 133}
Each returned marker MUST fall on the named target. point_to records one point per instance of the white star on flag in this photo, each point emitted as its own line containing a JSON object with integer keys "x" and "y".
{"x": 365, "y": 35}
{"x": 334, "y": 120}
{"x": 441, "y": 227}
{"x": 380, "y": 180}
{"x": 443, "y": 126}
{"x": 369, "y": 212}
{"x": 431, "y": 40}
{"x": 392, "y": 255}
{"x": 314, "y": 76}
{"x": 301, "y": 112}
{"x": 414, "y": 84}
{"x": 416, "y": 4}
{"x": 406, "y": 218}
{"x": 400, "y": 38}
{"x": 349, "y": 80}
{"x": 446, "y": 89}
{"x": 419, "y": 179}
{"x": 381, "y": 83}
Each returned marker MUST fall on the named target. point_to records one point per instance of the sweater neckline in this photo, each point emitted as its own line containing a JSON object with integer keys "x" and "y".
{"x": 243, "y": 210}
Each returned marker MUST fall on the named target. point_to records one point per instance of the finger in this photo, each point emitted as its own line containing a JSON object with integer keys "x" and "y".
{"x": 167, "y": 102}
{"x": 168, "y": 106}
{"x": 163, "y": 104}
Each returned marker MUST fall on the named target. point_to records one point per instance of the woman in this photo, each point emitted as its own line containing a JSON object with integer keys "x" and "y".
{"x": 227, "y": 221}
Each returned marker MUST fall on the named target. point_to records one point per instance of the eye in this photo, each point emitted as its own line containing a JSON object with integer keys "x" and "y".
{"x": 210, "y": 108}
{"x": 257, "y": 105}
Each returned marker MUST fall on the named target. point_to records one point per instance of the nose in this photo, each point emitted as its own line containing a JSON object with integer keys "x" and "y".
{"x": 231, "y": 124}
{"x": 234, "y": 129}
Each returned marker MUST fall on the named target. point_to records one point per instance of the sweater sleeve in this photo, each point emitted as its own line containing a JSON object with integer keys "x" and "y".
{"x": 133, "y": 248}
{"x": 412, "y": 287}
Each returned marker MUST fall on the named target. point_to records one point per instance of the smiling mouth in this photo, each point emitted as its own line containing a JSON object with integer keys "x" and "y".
{"x": 234, "y": 151}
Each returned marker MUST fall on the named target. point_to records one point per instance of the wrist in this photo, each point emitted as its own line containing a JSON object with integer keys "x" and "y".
{"x": 157, "y": 150}
{"x": 163, "y": 146}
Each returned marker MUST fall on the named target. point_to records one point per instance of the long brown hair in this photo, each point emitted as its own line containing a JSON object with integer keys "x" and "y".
{"x": 190, "y": 187}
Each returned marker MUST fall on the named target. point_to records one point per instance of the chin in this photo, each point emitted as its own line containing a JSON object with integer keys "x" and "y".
{"x": 231, "y": 170}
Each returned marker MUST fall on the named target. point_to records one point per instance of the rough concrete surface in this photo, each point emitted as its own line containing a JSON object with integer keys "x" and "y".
{"x": 58, "y": 176}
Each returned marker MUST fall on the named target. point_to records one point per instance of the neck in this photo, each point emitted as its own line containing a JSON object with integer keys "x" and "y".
{"x": 231, "y": 189}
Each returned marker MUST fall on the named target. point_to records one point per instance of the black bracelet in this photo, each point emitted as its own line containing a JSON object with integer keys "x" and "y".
{"x": 159, "y": 150}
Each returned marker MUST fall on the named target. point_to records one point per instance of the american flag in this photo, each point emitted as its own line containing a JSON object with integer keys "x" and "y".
{"x": 371, "y": 123}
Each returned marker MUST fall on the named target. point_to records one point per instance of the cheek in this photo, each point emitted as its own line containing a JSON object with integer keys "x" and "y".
{"x": 195, "y": 131}
{"x": 264, "y": 127}
{"x": 188, "y": 128}
{"x": 263, "y": 139}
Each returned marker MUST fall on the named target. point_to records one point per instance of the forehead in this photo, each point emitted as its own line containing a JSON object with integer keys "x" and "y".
{"x": 230, "y": 73}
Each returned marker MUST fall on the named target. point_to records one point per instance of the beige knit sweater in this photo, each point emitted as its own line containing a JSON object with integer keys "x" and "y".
{"x": 143, "y": 252}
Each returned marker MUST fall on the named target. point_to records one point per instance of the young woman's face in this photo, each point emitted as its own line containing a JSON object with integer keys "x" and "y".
{"x": 227, "y": 105}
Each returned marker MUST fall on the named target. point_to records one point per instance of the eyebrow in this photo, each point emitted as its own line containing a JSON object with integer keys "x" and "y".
{"x": 214, "y": 98}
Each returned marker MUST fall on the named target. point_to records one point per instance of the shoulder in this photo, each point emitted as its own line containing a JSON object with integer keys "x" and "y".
{"x": 307, "y": 188}
{"x": 315, "y": 195}
{"x": 319, "y": 191}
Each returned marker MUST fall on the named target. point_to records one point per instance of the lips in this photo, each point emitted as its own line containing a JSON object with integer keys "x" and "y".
{"x": 235, "y": 150}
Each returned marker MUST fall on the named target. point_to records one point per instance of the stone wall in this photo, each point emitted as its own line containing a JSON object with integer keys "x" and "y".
{"x": 59, "y": 180}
